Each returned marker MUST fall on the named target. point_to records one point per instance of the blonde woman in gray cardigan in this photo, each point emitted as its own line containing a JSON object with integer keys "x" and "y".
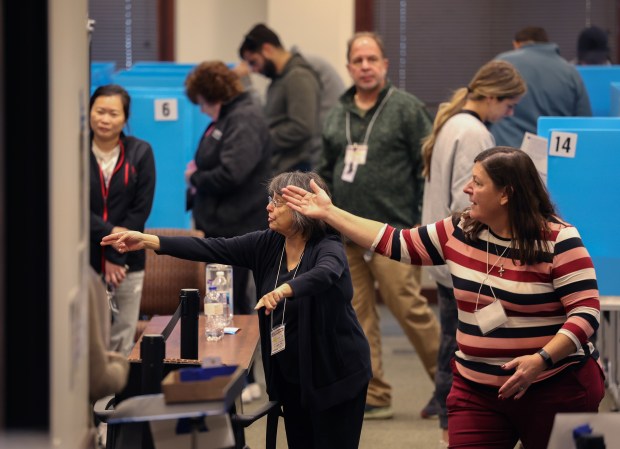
{"x": 459, "y": 134}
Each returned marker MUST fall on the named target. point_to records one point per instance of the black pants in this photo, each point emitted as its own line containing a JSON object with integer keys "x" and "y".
{"x": 338, "y": 427}
{"x": 244, "y": 301}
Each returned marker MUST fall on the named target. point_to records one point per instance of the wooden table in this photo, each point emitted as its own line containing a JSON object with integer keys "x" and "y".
{"x": 233, "y": 349}
{"x": 237, "y": 349}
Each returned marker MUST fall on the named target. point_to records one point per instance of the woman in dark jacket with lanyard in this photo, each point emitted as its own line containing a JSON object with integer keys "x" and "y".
{"x": 231, "y": 167}
{"x": 122, "y": 185}
{"x": 315, "y": 354}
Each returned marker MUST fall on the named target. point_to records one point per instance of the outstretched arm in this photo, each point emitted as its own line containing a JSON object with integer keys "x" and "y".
{"x": 131, "y": 241}
{"x": 318, "y": 205}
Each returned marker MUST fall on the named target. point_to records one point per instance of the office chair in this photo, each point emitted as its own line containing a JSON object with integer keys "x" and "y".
{"x": 165, "y": 276}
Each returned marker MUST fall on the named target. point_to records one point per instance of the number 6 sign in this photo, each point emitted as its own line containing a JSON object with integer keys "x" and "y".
{"x": 166, "y": 109}
{"x": 563, "y": 144}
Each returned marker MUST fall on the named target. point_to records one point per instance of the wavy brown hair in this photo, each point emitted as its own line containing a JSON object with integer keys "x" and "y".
{"x": 497, "y": 79}
{"x": 214, "y": 82}
{"x": 529, "y": 206}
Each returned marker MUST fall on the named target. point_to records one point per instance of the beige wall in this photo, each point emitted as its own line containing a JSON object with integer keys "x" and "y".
{"x": 68, "y": 140}
{"x": 213, "y": 29}
{"x": 320, "y": 27}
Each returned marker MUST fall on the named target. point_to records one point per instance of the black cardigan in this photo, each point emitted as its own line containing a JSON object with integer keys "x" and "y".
{"x": 128, "y": 203}
{"x": 333, "y": 353}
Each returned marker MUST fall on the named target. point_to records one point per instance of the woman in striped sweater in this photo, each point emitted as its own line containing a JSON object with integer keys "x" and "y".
{"x": 526, "y": 294}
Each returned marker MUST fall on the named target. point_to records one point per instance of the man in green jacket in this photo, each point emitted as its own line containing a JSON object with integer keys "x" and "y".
{"x": 372, "y": 162}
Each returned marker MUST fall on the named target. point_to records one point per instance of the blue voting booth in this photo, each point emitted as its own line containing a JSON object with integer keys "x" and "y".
{"x": 101, "y": 73}
{"x": 174, "y": 143}
{"x": 585, "y": 190}
{"x": 614, "y": 110}
{"x": 162, "y": 115}
{"x": 598, "y": 80}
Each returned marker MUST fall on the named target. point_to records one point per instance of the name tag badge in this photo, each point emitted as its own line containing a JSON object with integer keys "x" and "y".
{"x": 356, "y": 153}
{"x": 491, "y": 317}
{"x": 348, "y": 172}
{"x": 277, "y": 339}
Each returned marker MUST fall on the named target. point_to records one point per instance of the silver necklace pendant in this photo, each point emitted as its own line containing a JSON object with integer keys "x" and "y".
{"x": 501, "y": 270}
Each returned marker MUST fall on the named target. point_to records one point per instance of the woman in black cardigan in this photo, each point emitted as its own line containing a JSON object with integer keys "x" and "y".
{"x": 320, "y": 370}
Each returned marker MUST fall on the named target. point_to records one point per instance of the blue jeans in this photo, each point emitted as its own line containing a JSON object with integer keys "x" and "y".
{"x": 448, "y": 319}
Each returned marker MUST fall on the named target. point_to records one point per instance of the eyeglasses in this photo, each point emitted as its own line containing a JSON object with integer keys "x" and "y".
{"x": 275, "y": 202}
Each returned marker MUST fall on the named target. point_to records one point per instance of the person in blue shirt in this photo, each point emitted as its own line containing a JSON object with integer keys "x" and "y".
{"x": 554, "y": 87}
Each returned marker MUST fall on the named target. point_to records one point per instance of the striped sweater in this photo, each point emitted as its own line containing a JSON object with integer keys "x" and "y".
{"x": 558, "y": 295}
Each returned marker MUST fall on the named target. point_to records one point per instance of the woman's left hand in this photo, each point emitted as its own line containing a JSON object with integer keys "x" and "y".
{"x": 527, "y": 368}
{"x": 190, "y": 169}
{"x": 315, "y": 204}
{"x": 115, "y": 274}
{"x": 271, "y": 300}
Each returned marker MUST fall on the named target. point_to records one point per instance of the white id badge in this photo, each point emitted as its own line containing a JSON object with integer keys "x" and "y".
{"x": 356, "y": 153}
{"x": 277, "y": 339}
{"x": 491, "y": 317}
{"x": 348, "y": 172}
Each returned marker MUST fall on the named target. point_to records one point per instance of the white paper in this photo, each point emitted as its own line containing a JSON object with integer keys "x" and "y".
{"x": 536, "y": 148}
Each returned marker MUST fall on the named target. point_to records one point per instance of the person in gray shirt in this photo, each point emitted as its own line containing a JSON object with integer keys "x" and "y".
{"x": 332, "y": 86}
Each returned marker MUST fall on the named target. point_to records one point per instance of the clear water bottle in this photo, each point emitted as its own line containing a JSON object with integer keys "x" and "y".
{"x": 215, "y": 314}
{"x": 225, "y": 289}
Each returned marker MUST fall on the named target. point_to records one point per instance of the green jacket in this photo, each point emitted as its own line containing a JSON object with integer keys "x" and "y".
{"x": 389, "y": 187}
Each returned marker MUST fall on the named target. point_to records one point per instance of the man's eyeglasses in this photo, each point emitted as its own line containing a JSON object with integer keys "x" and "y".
{"x": 275, "y": 202}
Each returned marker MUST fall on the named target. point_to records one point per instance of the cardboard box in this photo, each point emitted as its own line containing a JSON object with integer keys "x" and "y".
{"x": 214, "y": 389}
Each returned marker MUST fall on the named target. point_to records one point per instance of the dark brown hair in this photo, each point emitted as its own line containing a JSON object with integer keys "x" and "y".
{"x": 529, "y": 206}
{"x": 214, "y": 82}
{"x": 259, "y": 35}
{"x": 535, "y": 34}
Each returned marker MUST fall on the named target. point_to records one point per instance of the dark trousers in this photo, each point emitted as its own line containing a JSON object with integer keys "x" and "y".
{"x": 479, "y": 420}
{"x": 448, "y": 320}
{"x": 338, "y": 427}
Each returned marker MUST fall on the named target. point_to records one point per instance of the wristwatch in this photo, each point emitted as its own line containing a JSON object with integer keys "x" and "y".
{"x": 546, "y": 358}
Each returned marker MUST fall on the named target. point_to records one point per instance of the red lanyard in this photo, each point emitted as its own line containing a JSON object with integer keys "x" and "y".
{"x": 105, "y": 189}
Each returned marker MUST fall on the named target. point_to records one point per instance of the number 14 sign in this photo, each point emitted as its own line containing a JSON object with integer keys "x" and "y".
{"x": 563, "y": 144}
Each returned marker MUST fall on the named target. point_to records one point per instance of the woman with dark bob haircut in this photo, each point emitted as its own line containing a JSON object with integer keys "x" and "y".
{"x": 526, "y": 294}
{"x": 315, "y": 354}
{"x": 226, "y": 177}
